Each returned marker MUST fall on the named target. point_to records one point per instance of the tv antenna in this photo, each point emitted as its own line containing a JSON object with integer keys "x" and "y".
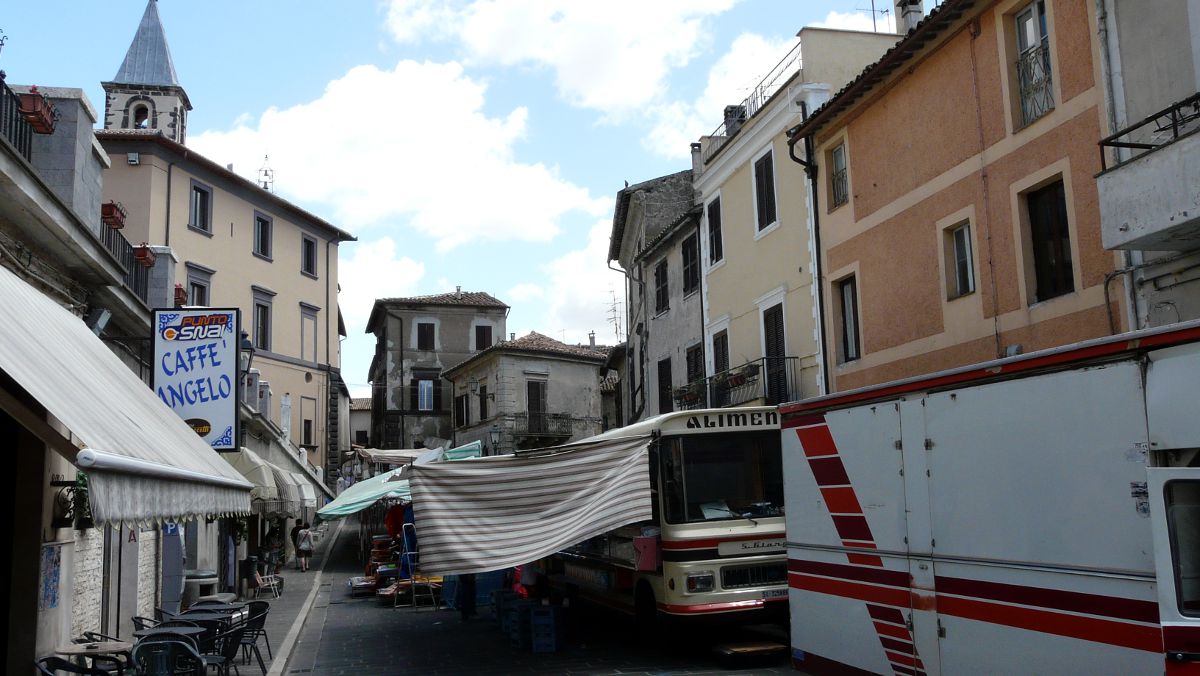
{"x": 266, "y": 176}
{"x": 874, "y": 13}
{"x": 614, "y": 314}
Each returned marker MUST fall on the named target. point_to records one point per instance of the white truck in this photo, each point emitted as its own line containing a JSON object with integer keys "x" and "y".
{"x": 1037, "y": 514}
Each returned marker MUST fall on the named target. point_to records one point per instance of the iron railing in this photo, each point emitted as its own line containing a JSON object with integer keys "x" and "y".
{"x": 1033, "y": 75}
{"x": 762, "y": 92}
{"x": 12, "y": 125}
{"x": 841, "y": 188}
{"x": 774, "y": 380}
{"x": 543, "y": 424}
{"x": 1155, "y": 131}
{"x": 136, "y": 277}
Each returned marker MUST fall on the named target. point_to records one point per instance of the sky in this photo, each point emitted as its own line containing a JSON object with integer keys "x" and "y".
{"x": 464, "y": 143}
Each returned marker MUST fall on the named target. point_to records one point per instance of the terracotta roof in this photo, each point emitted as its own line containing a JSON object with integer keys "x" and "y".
{"x": 926, "y": 30}
{"x": 536, "y": 343}
{"x": 469, "y": 298}
{"x": 157, "y": 137}
{"x": 360, "y": 404}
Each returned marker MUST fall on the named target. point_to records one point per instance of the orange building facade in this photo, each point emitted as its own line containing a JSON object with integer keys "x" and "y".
{"x": 957, "y": 210}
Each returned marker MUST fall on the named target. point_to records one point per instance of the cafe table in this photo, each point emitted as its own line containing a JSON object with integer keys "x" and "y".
{"x": 157, "y": 631}
{"x": 94, "y": 649}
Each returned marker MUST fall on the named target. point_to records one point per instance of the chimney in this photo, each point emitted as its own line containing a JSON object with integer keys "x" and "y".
{"x": 697, "y": 160}
{"x": 908, "y": 14}
{"x": 592, "y": 338}
{"x": 512, "y": 336}
{"x": 458, "y": 292}
{"x": 734, "y": 117}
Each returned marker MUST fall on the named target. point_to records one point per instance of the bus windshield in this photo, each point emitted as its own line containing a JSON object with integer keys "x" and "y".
{"x": 719, "y": 477}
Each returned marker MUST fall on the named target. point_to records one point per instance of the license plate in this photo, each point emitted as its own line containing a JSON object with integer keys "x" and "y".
{"x": 775, "y": 594}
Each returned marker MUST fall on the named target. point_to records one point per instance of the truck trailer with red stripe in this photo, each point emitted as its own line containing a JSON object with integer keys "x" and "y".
{"x": 1035, "y": 514}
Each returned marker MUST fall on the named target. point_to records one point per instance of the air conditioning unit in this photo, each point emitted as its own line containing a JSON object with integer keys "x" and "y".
{"x": 250, "y": 389}
{"x": 264, "y": 398}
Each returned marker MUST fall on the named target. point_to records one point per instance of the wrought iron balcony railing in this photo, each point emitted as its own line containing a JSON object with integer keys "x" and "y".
{"x": 762, "y": 92}
{"x": 841, "y": 188}
{"x": 774, "y": 380}
{"x": 137, "y": 276}
{"x": 1155, "y": 131}
{"x": 1033, "y": 76}
{"x": 12, "y": 125}
{"x": 543, "y": 424}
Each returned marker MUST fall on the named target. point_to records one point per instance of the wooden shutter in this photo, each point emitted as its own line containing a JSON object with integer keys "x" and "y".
{"x": 775, "y": 357}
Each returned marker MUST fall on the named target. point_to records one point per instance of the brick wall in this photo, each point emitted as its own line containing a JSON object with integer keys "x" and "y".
{"x": 148, "y": 557}
{"x": 89, "y": 581}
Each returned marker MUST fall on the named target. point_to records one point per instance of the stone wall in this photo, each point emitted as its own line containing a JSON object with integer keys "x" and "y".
{"x": 147, "y": 590}
{"x": 89, "y": 581}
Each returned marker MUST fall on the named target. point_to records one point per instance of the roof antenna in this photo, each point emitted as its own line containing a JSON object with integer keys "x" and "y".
{"x": 266, "y": 176}
{"x": 874, "y": 14}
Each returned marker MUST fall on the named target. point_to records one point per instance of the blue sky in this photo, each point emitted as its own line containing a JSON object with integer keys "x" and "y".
{"x": 476, "y": 144}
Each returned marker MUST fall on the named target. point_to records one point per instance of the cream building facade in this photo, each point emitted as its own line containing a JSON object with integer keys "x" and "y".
{"x": 760, "y": 332}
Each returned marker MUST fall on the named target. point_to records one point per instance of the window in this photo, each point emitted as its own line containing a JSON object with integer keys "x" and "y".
{"x": 839, "y": 185}
{"x": 691, "y": 264}
{"x": 664, "y": 386}
{"x": 425, "y": 336}
{"x": 262, "y": 317}
{"x": 483, "y": 337}
{"x": 1033, "y": 62}
{"x": 308, "y": 255}
{"x": 716, "y": 250}
{"x": 483, "y": 399}
{"x": 960, "y": 267}
{"x": 720, "y": 348}
{"x": 764, "y": 190}
{"x": 535, "y": 398}
{"x": 308, "y": 332}
{"x": 262, "y": 235}
{"x": 360, "y": 438}
{"x": 1050, "y": 239}
{"x": 775, "y": 354}
{"x": 847, "y": 291}
{"x": 426, "y": 395}
{"x": 661, "y": 292}
{"x": 1182, "y": 502}
{"x": 695, "y": 363}
{"x": 199, "y": 284}
{"x": 200, "y": 213}
{"x": 306, "y": 434}
{"x": 462, "y": 410}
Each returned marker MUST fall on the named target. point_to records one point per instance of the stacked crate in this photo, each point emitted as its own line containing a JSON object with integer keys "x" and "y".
{"x": 516, "y": 622}
{"x": 546, "y": 628}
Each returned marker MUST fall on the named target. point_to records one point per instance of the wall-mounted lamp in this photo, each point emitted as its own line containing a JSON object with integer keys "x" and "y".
{"x": 494, "y": 436}
{"x": 245, "y": 353}
{"x": 71, "y": 506}
{"x": 473, "y": 386}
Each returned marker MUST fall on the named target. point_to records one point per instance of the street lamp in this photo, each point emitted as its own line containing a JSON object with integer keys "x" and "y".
{"x": 494, "y": 437}
{"x": 245, "y": 353}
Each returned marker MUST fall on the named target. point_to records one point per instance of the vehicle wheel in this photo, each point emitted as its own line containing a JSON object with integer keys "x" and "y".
{"x": 646, "y": 610}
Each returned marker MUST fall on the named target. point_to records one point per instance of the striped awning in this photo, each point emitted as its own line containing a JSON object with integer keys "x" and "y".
{"x": 484, "y": 514}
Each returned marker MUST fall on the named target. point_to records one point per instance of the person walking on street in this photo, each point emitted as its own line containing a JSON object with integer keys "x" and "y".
{"x": 304, "y": 546}
{"x": 296, "y": 541}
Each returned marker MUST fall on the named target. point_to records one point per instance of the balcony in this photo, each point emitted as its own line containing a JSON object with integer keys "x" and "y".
{"x": 770, "y": 380}
{"x": 136, "y": 276}
{"x": 544, "y": 425}
{"x": 1149, "y": 198}
{"x": 13, "y": 126}
{"x": 736, "y": 116}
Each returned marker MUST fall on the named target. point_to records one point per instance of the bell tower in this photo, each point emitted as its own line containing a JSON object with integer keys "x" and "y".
{"x": 146, "y": 94}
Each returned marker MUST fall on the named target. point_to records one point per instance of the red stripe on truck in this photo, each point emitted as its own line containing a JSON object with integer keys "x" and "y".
{"x": 816, "y": 441}
{"x": 1092, "y": 604}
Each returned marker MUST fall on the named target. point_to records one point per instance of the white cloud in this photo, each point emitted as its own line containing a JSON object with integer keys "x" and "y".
{"x": 858, "y": 21}
{"x": 730, "y": 81}
{"x": 609, "y": 56}
{"x": 368, "y": 270}
{"x": 525, "y": 291}
{"x": 410, "y": 144}
{"x": 578, "y": 297}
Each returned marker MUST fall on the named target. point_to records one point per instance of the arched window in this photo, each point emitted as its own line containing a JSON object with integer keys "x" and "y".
{"x": 141, "y": 117}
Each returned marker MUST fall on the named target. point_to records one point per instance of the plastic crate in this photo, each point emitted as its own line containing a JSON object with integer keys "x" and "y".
{"x": 516, "y": 616}
{"x": 500, "y": 599}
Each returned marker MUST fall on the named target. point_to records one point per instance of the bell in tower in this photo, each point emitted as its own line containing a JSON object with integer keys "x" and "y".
{"x": 146, "y": 94}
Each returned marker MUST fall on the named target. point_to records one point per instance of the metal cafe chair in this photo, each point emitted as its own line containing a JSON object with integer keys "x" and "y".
{"x": 167, "y": 656}
{"x": 52, "y": 666}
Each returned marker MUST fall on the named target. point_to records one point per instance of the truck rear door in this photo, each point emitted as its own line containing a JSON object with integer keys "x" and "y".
{"x": 1174, "y": 494}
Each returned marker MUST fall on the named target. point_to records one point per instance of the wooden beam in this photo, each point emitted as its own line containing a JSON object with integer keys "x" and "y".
{"x": 38, "y": 425}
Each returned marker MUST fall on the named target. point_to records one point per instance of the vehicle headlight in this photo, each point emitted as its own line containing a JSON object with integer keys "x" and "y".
{"x": 700, "y": 582}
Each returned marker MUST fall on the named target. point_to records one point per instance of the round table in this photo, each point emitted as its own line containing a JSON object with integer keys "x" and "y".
{"x": 157, "y": 631}
{"x": 97, "y": 648}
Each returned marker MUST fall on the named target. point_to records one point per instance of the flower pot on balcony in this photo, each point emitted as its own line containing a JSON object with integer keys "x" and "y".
{"x": 113, "y": 214}
{"x": 144, "y": 255}
{"x": 38, "y": 112}
{"x": 735, "y": 380}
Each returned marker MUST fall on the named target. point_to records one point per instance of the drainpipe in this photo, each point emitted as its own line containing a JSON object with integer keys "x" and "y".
{"x": 814, "y": 227}
{"x": 167, "y": 225}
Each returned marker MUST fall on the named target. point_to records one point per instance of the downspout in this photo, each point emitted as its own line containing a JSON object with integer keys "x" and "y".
{"x": 167, "y": 225}
{"x": 814, "y": 227}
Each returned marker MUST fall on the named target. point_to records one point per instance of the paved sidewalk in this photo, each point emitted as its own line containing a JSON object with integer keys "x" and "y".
{"x": 344, "y": 635}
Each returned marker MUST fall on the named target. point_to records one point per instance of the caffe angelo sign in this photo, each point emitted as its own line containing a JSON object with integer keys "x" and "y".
{"x": 196, "y": 370}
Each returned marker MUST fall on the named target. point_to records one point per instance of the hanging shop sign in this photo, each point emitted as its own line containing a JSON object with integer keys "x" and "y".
{"x": 196, "y": 370}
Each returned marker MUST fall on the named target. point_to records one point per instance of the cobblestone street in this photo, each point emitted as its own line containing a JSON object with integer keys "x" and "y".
{"x": 344, "y": 635}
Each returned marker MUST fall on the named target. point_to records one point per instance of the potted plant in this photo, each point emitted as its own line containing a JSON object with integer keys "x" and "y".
{"x": 113, "y": 214}
{"x": 37, "y": 110}
{"x": 735, "y": 379}
{"x": 144, "y": 255}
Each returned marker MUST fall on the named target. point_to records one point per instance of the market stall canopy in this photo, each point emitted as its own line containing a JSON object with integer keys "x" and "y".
{"x": 366, "y": 493}
{"x": 142, "y": 460}
{"x": 289, "y": 491}
{"x": 400, "y": 456}
{"x": 484, "y": 514}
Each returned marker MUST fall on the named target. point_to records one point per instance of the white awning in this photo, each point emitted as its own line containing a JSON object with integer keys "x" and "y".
{"x": 484, "y": 514}
{"x": 257, "y": 471}
{"x": 308, "y": 493}
{"x": 289, "y": 490}
{"x": 399, "y": 456}
{"x": 142, "y": 460}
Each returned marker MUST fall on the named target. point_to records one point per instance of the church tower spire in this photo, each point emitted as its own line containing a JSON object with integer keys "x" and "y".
{"x": 146, "y": 94}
